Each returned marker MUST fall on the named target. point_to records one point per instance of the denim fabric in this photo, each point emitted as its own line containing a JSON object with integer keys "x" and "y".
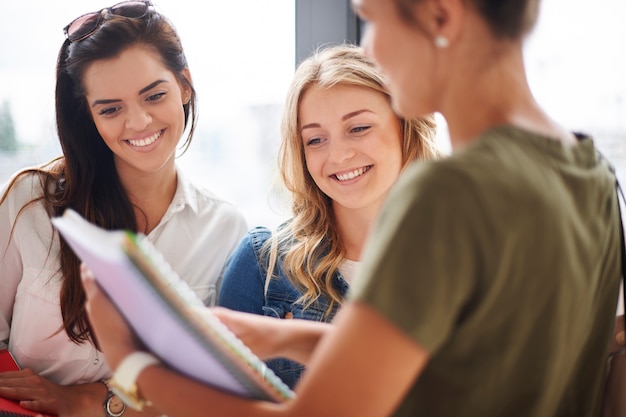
{"x": 243, "y": 289}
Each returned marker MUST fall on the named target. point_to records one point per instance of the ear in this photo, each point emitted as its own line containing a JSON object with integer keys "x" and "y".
{"x": 185, "y": 88}
{"x": 440, "y": 18}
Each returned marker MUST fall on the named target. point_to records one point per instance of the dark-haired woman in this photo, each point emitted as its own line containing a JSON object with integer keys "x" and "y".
{"x": 124, "y": 98}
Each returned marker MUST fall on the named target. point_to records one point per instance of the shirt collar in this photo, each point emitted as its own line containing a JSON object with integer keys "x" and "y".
{"x": 184, "y": 195}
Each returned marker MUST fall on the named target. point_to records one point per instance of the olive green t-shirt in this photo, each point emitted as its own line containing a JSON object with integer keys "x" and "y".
{"x": 503, "y": 262}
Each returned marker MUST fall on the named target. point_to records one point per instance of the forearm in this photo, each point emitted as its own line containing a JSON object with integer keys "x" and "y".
{"x": 294, "y": 339}
{"x": 38, "y": 394}
{"x": 147, "y": 411}
{"x": 85, "y": 400}
{"x": 90, "y": 400}
{"x": 299, "y": 339}
{"x": 184, "y": 397}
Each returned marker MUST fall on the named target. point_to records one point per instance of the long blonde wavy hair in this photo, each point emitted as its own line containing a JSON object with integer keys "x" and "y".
{"x": 310, "y": 246}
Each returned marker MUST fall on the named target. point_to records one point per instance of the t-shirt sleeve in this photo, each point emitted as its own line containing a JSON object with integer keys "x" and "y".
{"x": 420, "y": 263}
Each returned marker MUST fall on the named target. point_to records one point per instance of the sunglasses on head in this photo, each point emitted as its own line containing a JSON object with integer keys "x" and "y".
{"x": 84, "y": 26}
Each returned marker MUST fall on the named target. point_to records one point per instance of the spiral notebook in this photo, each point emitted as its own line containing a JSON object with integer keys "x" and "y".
{"x": 187, "y": 338}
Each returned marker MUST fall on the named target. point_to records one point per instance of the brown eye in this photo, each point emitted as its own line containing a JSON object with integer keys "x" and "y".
{"x": 108, "y": 111}
{"x": 156, "y": 97}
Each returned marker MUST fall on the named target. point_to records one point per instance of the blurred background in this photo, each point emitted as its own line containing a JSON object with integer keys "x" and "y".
{"x": 242, "y": 55}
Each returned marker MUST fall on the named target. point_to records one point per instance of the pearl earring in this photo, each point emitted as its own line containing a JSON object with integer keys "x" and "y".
{"x": 441, "y": 42}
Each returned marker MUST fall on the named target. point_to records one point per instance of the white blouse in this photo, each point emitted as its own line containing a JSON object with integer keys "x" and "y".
{"x": 196, "y": 236}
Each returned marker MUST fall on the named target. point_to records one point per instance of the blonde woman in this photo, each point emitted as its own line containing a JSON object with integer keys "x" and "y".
{"x": 342, "y": 149}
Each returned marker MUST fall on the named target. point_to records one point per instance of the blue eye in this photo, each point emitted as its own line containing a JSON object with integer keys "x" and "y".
{"x": 313, "y": 141}
{"x": 360, "y": 129}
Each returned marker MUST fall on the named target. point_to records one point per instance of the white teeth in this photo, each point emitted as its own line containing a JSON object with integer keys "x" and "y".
{"x": 351, "y": 175}
{"x": 145, "y": 142}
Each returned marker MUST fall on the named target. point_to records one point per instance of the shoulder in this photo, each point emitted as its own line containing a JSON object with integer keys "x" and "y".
{"x": 259, "y": 235}
{"x": 440, "y": 199}
{"x": 22, "y": 187}
{"x": 22, "y": 205}
{"x": 207, "y": 203}
{"x": 203, "y": 196}
{"x": 252, "y": 243}
{"x": 489, "y": 164}
{"x": 446, "y": 180}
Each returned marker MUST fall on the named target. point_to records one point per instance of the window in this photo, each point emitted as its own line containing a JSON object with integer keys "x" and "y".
{"x": 242, "y": 55}
{"x": 576, "y": 66}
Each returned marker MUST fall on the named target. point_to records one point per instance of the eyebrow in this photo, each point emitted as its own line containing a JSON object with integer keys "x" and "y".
{"x": 151, "y": 86}
{"x": 343, "y": 118}
{"x": 143, "y": 90}
{"x": 355, "y": 113}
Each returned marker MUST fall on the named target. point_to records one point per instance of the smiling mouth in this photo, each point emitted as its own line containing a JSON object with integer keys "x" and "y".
{"x": 146, "y": 141}
{"x": 346, "y": 176}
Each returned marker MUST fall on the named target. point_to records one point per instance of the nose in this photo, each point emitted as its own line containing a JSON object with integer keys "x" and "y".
{"x": 138, "y": 118}
{"x": 341, "y": 149}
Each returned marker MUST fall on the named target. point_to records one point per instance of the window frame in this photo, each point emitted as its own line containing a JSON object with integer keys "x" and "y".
{"x": 321, "y": 22}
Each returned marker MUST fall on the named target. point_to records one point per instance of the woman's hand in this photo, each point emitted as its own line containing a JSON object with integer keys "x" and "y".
{"x": 259, "y": 333}
{"x": 269, "y": 337}
{"x": 115, "y": 339}
{"x": 37, "y": 393}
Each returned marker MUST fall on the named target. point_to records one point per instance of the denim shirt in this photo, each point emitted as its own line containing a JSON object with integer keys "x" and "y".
{"x": 243, "y": 289}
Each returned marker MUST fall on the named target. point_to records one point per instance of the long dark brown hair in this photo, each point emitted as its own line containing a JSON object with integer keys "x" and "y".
{"x": 85, "y": 178}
